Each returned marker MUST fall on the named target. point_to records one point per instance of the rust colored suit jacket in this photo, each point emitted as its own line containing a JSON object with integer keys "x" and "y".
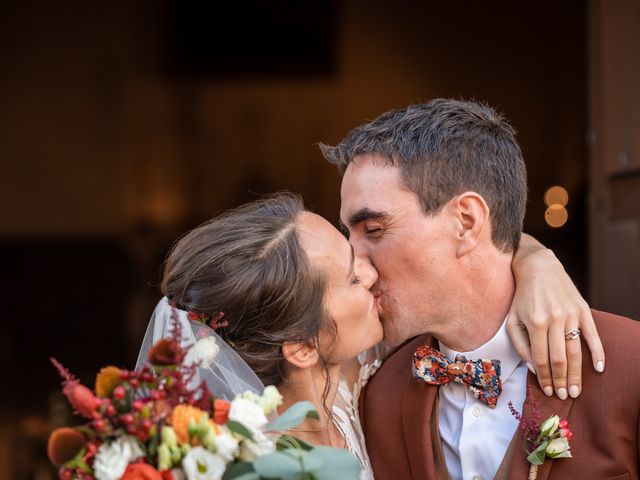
{"x": 400, "y": 419}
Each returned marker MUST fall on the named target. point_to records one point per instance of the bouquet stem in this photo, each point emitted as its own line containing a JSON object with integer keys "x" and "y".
{"x": 533, "y": 472}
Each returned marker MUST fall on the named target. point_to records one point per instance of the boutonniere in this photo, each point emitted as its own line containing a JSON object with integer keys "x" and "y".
{"x": 549, "y": 439}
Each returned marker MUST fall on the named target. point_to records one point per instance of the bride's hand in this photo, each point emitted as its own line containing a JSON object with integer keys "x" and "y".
{"x": 546, "y": 304}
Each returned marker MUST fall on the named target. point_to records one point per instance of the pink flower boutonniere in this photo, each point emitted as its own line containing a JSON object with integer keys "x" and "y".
{"x": 549, "y": 439}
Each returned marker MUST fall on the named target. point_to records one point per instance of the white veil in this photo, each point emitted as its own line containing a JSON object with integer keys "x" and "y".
{"x": 226, "y": 375}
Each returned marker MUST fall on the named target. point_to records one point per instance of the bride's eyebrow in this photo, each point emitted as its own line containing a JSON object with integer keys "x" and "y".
{"x": 365, "y": 214}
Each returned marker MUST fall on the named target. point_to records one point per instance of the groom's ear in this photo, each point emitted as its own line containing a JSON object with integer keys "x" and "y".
{"x": 300, "y": 354}
{"x": 472, "y": 215}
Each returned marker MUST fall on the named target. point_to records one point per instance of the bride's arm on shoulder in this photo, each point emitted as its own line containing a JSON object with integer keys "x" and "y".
{"x": 547, "y": 304}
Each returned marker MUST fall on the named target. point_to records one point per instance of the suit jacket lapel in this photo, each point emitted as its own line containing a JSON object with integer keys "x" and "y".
{"x": 418, "y": 403}
{"x": 548, "y": 406}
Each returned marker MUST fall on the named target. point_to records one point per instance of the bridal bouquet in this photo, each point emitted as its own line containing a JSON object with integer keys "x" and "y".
{"x": 153, "y": 424}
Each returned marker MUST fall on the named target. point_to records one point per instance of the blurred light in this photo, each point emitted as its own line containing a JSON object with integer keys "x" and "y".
{"x": 556, "y": 216}
{"x": 556, "y": 196}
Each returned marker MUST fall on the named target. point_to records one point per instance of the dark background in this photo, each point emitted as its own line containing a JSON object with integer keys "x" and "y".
{"x": 123, "y": 124}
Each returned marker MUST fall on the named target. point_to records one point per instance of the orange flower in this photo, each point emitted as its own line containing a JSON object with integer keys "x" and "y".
{"x": 141, "y": 471}
{"x": 106, "y": 380}
{"x": 180, "y": 418}
{"x": 64, "y": 444}
{"x": 221, "y": 411}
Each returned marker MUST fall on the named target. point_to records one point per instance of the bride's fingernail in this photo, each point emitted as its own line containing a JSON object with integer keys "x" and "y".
{"x": 562, "y": 393}
{"x": 531, "y": 369}
{"x": 574, "y": 391}
{"x": 600, "y": 366}
{"x": 548, "y": 391}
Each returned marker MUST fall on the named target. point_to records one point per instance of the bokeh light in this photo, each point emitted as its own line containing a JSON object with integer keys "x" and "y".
{"x": 556, "y": 216}
{"x": 556, "y": 195}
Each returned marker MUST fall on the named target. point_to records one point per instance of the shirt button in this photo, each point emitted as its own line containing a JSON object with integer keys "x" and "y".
{"x": 476, "y": 412}
{"x": 477, "y": 477}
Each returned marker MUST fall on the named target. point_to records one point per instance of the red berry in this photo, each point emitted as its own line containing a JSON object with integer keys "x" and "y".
{"x": 563, "y": 424}
{"x": 137, "y": 405}
{"x": 124, "y": 375}
{"x": 155, "y": 395}
{"x": 127, "y": 418}
{"x": 131, "y": 429}
{"x": 146, "y": 425}
{"x": 111, "y": 411}
{"x": 119, "y": 392}
{"x": 146, "y": 377}
{"x": 99, "y": 424}
{"x": 65, "y": 473}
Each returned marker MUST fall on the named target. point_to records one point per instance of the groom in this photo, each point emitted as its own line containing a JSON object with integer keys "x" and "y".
{"x": 434, "y": 196}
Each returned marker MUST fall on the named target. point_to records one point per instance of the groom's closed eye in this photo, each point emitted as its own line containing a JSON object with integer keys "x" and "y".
{"x": 365, "y": 214}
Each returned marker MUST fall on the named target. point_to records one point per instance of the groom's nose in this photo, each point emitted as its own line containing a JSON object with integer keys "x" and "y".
{"x": 367, "y": 272}
{"x": 359, "y": 247}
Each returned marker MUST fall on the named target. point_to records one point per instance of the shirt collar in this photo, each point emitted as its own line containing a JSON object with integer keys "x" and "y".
{"x": 499, "y": 347}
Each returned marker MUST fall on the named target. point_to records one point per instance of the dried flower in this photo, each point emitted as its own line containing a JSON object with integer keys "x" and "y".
{"x": 64, "y": 445}
{"x": 165, "y": 352}
{"x": 107, "y": 380}
{"x": 80, "y": 397}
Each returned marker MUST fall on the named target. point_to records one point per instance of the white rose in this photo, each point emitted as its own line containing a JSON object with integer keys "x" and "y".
{"x": 201, "y": 464}
{"x": 203, "y": 352}
{"x": 249, "y": 414}
{"x": 259, "y": 446}
{"x": 558, "y": 448}
{"x": 226, "y": 446}
{"x": 549, "y": 426}
{"x": 270, "y": 399}
{"x": 112, "y": 458}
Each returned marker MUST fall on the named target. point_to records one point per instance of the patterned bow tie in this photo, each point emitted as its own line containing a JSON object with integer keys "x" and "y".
{"x": 482, "y": 376}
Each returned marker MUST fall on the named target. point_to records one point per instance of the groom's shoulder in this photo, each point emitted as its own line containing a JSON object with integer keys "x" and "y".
{"x": 619, "y": 335}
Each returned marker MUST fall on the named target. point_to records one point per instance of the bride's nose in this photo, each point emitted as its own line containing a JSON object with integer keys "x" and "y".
{"x": 367, "y": 273}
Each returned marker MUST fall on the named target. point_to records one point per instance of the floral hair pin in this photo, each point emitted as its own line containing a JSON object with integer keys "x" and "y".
{"x": 212, "y": 321}
{"x": 549, "y": 439}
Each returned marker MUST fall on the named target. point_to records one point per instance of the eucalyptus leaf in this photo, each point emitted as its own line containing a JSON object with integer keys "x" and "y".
{"x": 289, "y": 441}
{"x": 238, "y": 471}
{"x": 240, "y": 429}
{"x": 294, "y": 415}
{"x": 539, "y": 454}
{"x": 278, "y": 465}
{"x": 338, "y": 464}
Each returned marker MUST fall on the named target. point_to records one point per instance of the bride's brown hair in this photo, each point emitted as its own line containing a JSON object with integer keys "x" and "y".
{"x": 249, "y": 264}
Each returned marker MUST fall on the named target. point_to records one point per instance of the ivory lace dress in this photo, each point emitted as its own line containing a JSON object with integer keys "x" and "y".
{"x": 345, "y": 407}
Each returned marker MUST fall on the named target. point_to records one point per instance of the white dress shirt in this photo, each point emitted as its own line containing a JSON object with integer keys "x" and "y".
{"x": 475, "y": 437}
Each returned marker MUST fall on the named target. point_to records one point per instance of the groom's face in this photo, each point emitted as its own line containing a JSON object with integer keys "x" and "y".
{"x": 413, "y": 253}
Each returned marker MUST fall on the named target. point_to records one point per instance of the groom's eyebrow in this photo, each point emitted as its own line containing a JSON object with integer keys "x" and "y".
{"x": 365, "y": 214}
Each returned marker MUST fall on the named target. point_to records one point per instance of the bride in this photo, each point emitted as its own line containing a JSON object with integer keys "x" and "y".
{"x": 297, "y": 309}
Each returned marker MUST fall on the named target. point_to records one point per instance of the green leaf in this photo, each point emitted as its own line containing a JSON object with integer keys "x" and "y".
{"x": 539, "y": 454}
{"x": 278, "y": 465}
{"x": 294, "y": 415}
{"x": 289, "y": 441}
{"x": 240, "y": 429}
{"x": 337, "y": 464}
{"x": 240, "y": 471}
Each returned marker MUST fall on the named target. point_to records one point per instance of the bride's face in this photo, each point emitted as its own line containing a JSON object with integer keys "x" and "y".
{"x": 348, "y": 300}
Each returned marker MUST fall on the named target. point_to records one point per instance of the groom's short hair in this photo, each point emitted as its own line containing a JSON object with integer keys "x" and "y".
{"x": 444, "y": 148}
